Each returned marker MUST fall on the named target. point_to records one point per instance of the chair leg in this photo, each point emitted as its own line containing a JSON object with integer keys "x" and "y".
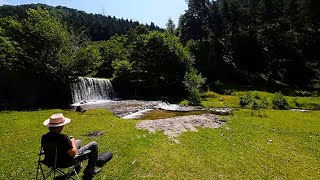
{"x": 39, "y": 168}
{"x": 75, "y": 172}
{"x": 71, "y": 171}
{"x": 50, "y": 172}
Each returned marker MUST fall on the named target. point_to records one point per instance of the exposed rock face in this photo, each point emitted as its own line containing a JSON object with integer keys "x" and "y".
{"x": 173, "y": 127}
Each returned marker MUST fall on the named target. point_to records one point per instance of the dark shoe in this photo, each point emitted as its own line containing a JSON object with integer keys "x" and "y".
{"x": 90, "y": 176}
{"x": 87, "y": 177}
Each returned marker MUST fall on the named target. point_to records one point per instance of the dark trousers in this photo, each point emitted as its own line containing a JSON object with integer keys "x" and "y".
{"x": 93, "y": 146}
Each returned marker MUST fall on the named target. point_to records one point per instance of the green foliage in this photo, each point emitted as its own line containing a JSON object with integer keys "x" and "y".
{"x": 115, "y": 49}
{"x": 122, "y": 69}
{"x": 8, "y": 52}
{"x": 9, "y": 48}
{"x": 253, "y": 101}
{"x": 96, "y": 26}
{"x": 261, "y": 41}
{"x": 160, "y": 63}
{"x": 171, "y": 27}
{"x": 87, "y": 60}
{"x": 193, "y": 82}
{"x": 279, "y": 101}
{"x": 40, "y": 45}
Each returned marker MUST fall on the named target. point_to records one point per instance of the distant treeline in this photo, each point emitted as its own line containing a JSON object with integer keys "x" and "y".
{"x": 96, "y": 26}
{"x": 254, "y": 41}
{"x": 270, "y": 43}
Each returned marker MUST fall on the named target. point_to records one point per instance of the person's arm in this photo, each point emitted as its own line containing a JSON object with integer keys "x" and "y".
{"x": 73, "y": 151}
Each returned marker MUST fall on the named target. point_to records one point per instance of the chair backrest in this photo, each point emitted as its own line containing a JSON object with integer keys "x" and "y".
{"x": 53, "y": 157}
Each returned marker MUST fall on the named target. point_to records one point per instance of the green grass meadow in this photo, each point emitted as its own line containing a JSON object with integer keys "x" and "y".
{"x": 212, "y": 99}
{"x": 253, "y": 144}
{"x": 278, "y": 145}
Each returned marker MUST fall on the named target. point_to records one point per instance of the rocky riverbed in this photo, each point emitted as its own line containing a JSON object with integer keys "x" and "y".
{"x": 173, "y": 127}
{"x": 133, "y": 109}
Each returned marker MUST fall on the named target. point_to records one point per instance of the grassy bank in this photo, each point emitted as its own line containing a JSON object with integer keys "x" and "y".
{"x": 212, "y": 99}
{"x": 281, "y": 145}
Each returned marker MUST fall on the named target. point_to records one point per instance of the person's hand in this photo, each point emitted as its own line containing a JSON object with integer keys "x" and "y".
{"x": 73, "y": 140}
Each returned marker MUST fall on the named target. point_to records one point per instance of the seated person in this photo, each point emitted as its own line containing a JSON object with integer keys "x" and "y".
{"x": 69, "y": 147}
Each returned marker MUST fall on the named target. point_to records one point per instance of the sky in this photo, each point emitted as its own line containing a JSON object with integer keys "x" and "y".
{"x": 144, "y": 11}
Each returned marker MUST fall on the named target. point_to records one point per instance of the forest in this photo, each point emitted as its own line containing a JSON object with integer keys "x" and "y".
{"x": 267, "y": 43}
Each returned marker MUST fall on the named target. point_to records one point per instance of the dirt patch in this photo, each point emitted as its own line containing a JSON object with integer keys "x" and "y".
{"x": 175, "y": 126}
{"x": 95, "y": 134}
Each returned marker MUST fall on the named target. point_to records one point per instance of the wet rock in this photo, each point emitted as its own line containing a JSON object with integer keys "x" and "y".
{"x": 80, "y": 109}
{"x": 300, "y": 110}
{"x": 221, "y": 111}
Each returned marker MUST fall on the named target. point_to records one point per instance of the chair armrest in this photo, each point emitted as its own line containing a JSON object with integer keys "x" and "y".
{"x": 82, "y": 155}
{"x": 41, "y": 153}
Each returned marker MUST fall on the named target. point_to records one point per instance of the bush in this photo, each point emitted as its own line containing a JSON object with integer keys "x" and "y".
{"x": 302, "y": 93}
{"x": 279, "y": 101}
{"x": 193, "y": 82}
{"x": 253, "y": 101}
{"x": 245, "y": 100}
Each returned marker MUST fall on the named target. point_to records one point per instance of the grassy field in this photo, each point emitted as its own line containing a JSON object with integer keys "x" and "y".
{"x": 212, "y": 99}
{"x": 280, "y": 145}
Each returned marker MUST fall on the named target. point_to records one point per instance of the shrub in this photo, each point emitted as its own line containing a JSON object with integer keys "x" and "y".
{"x": 245, "y": 100}
{"x": 193, "y": 82}
{"x": 184, "y": 103}
{"x": 253, "y": 101}
{"x": 302, "y": 93}
{"x": 279, "y": 101}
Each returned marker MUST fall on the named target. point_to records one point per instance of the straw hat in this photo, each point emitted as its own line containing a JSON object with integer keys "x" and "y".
{"x": 56, "y": 120}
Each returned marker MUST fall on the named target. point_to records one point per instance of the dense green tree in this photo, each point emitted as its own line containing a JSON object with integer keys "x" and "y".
{"x": 193, "y": 82}
{"x": 87, "y": 60}
{"x": 47, "y": 44}
{"x": 192, "y": 23}
{"x": 9, "y": 49}
{"x": 269, "y": 41}
{"x": 160, "y": 64}
{"x": 97, "y": 26}
{"x": 115, "y": 49}
{"x": 171, "y": 27}
{"x": 40, "y": 45}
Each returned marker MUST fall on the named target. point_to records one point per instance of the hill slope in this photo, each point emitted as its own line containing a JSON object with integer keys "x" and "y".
{"x": 97, "y": 26}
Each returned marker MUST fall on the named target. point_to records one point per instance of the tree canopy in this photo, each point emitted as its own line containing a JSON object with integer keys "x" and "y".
{"x": 244, "y": 41}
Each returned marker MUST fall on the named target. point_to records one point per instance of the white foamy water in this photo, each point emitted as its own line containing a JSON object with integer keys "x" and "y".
{"x": 137, "y": 115}
{"x": 91, "y": 90}
{"x": 92, "y": 102}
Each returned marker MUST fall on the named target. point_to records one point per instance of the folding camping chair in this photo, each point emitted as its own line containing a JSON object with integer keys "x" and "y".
{"x": 51, "y": 157}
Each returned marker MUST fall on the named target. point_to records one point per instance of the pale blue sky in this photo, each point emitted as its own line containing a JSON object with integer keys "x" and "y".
{"x": 144, "y": 11}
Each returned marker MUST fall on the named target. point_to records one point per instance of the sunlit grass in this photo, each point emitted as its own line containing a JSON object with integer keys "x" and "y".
{"x": 280, "y": 145}
{"x": 161, "y": 114}
{"x": 212, "y": 99}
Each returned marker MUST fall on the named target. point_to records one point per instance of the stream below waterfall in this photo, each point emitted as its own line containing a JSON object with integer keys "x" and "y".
{"x": 97, "y": 93}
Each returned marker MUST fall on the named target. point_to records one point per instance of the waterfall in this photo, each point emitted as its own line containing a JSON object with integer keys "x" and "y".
{"x": 91, "y": 89}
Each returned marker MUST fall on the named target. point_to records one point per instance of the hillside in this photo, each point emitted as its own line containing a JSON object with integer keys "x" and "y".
{"x": 97, "y": 26}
